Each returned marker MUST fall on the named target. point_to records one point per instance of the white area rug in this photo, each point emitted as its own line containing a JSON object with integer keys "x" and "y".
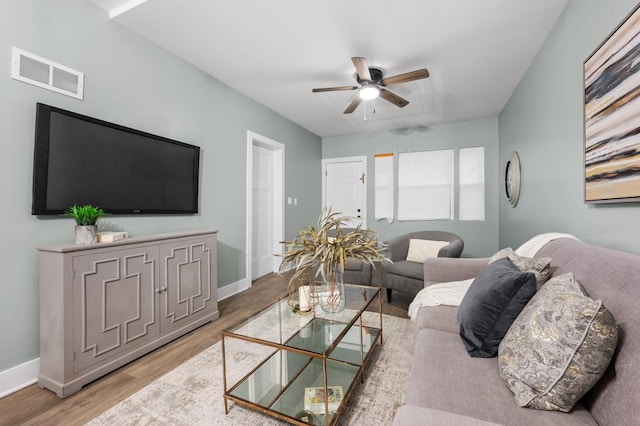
{"x": 191, "y": 394}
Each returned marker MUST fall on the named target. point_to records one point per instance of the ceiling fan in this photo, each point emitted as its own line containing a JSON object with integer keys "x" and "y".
{"x": 372, "y": 84}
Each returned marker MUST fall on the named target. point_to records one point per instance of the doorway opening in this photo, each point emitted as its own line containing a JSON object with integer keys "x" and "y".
{"x": 265, "y": 205}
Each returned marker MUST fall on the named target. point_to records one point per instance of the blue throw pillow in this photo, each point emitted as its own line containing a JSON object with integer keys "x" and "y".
{"x": 492, "y": 303}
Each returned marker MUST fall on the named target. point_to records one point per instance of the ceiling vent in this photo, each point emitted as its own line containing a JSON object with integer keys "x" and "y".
{"x": 47, "y": 74}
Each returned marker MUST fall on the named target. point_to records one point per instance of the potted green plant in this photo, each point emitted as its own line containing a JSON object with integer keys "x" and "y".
{"x": 86, "y": 218}
{"x": 327, "y": 248}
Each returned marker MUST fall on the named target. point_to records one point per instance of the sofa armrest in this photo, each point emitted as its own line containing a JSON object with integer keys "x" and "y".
{"x": 411, "y": 415}
{"x": 453, "y": 249}
{"x": 444, "y": 269}
{"x": 397, "y": 248}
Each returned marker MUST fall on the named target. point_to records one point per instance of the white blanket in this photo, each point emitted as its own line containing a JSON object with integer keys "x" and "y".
{"x": 451, "y": 293}
{"x": 531, "y": 247}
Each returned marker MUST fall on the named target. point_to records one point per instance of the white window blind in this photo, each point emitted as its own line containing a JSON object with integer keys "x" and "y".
{"x": 471, "y": 172}
{"x": 425, "y": 185}
{"x": 384, "y": 183}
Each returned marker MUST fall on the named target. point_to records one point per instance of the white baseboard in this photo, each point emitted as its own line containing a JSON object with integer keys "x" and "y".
{"x": 19, "y": 377}
{"x": 23, "y": 375}
{"x": 233, "y": 288}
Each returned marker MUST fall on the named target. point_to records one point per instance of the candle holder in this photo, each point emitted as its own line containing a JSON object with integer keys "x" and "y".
{"x": 301, "y": 294}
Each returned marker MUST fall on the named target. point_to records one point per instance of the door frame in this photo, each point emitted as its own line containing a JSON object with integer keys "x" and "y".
{"x": 360, "y": 158}
{"x": 278, "y": 152}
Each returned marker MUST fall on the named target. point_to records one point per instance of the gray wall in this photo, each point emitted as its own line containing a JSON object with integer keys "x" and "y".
{"x": 481, "y": 237}
{"x": 543, "y": 121}
{"x": 131, "y": 82}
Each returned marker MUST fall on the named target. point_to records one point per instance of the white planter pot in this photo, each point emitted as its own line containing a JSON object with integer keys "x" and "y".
{"x": 87, "y": 234}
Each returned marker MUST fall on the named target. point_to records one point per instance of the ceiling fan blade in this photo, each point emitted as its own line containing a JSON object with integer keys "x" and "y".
{"x": 393, "y": 98}
{"x": 362, "y": 68}
{"x": 407, "y": 76}
{"x": 334, "y": 89}
{"x": 353, "y": 105}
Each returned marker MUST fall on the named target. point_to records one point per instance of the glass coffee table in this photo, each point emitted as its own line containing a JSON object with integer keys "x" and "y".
{"x": 315, "y": 361}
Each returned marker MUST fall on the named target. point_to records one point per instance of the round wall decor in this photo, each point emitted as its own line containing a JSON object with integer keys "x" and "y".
{"x": 512, "y": 179}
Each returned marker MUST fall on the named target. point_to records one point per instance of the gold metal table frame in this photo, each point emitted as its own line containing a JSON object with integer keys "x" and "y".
{"x": 319, "y": 350}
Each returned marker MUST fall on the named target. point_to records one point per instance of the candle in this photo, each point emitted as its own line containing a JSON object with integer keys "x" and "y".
{"x": 305, "y": 303}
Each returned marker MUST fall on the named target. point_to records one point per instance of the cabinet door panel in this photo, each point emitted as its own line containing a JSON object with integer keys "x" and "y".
{"x": 114, "y": 303}
{"x": 186, "y": 277}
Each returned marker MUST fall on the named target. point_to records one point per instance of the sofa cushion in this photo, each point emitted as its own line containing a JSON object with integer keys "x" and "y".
{"x": 406, "y": 269}
{"x": 419, "y": 250}
{"x": 354, "y": 265}
{"x": 444, "y": 377}
{"x": 558, "y": 348}
{"x": 410, "y": 415}
{"x": 445, "y": 269}
{"x": 492, "y": 303}
{"x": 441, "y": 317}
{"x": 541, "y": 266}
{"x": 611, "y": 276}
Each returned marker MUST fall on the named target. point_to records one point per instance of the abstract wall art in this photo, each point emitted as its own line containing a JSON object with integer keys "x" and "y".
{"x": 612, "y": 116}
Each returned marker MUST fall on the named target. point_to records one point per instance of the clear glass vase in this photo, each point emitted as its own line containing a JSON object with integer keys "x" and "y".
{"x": 332, "y": 298}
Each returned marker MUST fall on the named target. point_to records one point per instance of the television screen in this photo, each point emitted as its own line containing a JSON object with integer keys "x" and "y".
{"x": 82, "y": 160}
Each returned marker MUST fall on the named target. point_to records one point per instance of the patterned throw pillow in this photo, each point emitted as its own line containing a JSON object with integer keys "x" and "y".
{"x": 558, "y": 348}
{"x": 540, "y": 267}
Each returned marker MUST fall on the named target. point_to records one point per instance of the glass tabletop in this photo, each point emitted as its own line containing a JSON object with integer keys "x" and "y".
{"x": 314, "y": 332}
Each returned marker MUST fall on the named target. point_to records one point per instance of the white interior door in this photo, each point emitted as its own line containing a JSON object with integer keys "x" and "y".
{"x": 262, "y": 214}
{"x": 344, "y": 187}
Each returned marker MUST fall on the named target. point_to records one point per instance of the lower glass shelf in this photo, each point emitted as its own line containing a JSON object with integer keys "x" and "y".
{"x": 292, "y": 401}
{"x": 280, "y": 383}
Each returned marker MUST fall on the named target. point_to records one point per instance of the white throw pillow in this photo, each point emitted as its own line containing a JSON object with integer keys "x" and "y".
{"x": 419, "y": 250}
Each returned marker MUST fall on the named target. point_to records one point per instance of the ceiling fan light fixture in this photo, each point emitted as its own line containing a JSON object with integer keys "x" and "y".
{"x": 369, "y": 92}
{"x": 372, "y": 84}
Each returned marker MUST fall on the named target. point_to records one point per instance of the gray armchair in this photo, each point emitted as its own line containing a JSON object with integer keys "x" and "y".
{"x": 407, "y": 276}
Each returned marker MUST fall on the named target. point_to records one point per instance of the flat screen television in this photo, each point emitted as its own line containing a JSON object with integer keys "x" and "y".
{"x": 82, "y": 160}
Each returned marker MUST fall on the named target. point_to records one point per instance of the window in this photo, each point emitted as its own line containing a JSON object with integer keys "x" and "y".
{"x": 425, "y": 185}
{"x": 471, "y": 172}
{"x": 384, "y": 184}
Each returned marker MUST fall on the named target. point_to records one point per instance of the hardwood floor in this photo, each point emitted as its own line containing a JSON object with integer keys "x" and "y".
{"x": 35, "y": 406}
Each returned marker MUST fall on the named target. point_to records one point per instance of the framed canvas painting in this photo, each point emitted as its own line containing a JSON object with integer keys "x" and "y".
{"x": 612, "y": 116}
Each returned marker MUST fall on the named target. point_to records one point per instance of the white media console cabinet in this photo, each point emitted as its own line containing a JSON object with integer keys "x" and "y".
{"x": 104, "y": 305}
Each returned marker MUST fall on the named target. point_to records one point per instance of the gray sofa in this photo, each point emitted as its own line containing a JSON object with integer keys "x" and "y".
{"x": 407, "y": 276}
{"x": 448, "y": 387}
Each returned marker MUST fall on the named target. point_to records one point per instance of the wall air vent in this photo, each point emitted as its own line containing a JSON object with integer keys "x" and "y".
{"x": 41, "y": 72}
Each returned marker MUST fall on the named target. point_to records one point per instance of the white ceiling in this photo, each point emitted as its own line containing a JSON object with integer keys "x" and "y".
{"x": 276, "y": 51}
